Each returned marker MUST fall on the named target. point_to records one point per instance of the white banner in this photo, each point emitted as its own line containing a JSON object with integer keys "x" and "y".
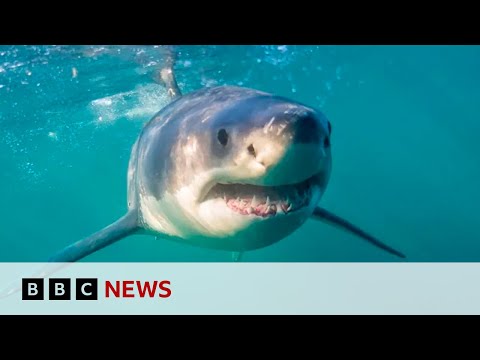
{"x": 243, "y": 288}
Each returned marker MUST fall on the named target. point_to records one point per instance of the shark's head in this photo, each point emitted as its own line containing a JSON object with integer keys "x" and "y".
{"x": 247, "y": 174}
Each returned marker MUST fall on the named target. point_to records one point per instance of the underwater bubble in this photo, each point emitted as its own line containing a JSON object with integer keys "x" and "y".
{"x": 53, "y": 135}
{"x": 338, "y": 72}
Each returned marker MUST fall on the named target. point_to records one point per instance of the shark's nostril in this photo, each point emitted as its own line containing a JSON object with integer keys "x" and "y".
{"x": 306, "y": 129}
{"x": 251, "y": 150}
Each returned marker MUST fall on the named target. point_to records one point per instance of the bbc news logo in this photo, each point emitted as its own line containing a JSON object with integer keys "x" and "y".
{"x": 87, "y": 289}
{"x": 60, "y": 289}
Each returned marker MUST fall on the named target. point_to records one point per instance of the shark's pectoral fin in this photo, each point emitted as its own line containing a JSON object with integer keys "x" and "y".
{"x": 332, "y": 219}
{"x": 123, "y": 227}
{"x": 237, "y": 256}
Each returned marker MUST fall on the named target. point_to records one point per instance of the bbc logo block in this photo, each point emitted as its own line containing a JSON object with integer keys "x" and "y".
{"x": 60, "y": 289}
{"x": 87, "y": 289}
{"x": 32, "y": 289}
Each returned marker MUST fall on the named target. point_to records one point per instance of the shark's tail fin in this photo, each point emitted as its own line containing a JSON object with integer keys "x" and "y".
{"x": 123, "y": 227}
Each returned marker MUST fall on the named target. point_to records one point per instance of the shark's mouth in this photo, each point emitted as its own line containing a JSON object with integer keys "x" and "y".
{"x": 264, "y": 201}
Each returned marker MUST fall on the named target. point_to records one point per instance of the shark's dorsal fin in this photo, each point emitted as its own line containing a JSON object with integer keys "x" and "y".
{"x": 165, "y": 75}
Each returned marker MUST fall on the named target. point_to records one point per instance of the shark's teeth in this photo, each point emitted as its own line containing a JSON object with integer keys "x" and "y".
{"x": 272, "y": 209}
{"x": 264, "y": 202}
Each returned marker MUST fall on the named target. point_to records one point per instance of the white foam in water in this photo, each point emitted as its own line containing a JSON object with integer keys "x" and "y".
{"x": 53, "y": 135}
{"x": 138, "y": 104}
{"x": 151, "y": 99}
{"x": 103, "y": 102}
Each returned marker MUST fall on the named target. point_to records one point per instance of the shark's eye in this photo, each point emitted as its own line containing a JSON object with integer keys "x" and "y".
{"x": 329, "y": 128}
{"x": 222, "y": 137}
{"x": 326, "y": 142}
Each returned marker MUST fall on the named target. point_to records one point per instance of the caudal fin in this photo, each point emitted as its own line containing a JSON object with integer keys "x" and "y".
{"x": 328, "y": 217}
{"x": 123, "y": 227}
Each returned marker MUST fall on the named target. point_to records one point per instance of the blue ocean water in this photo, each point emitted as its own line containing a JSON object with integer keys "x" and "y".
{"x": 405, "y": 144}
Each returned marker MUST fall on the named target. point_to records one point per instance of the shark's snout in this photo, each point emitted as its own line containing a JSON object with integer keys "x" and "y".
{"x": 306, "y": 128}
{"x": 290, "y": 147}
